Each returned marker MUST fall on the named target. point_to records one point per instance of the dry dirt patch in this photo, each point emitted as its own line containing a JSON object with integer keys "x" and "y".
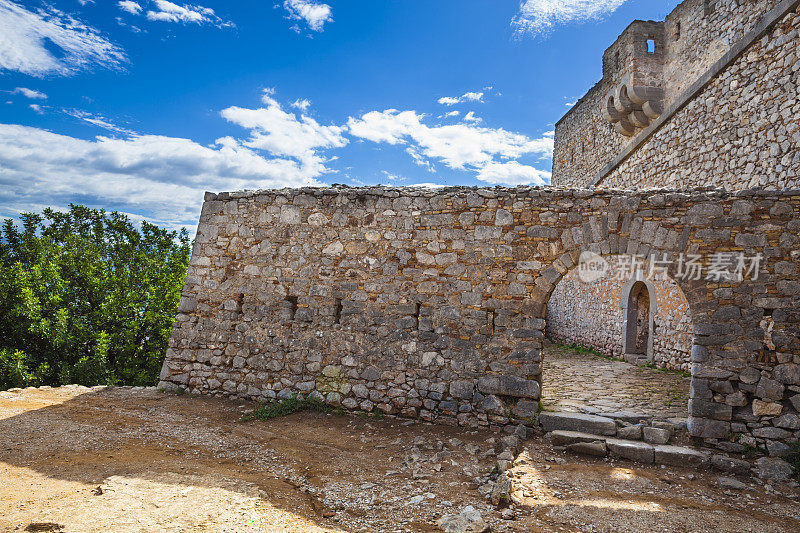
{"x": 122, "y": 459}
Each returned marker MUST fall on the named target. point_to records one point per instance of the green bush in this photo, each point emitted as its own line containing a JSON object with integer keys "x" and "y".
{"x": 87, "y": 297}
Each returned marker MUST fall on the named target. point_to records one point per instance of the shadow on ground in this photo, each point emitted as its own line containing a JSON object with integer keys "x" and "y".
{"x": 123, "y": 459}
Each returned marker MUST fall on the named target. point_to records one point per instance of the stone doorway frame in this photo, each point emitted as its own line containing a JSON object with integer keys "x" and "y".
{"x": 629, "y": 320}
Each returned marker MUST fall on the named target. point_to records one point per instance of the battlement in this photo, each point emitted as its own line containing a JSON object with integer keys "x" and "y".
{"x": 654, "y": 68}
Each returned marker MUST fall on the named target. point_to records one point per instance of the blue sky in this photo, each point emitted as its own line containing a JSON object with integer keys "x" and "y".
{"x": 140, "y": 106}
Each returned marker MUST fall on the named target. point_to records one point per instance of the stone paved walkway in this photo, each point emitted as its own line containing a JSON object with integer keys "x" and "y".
{"x": 577, "y": 381}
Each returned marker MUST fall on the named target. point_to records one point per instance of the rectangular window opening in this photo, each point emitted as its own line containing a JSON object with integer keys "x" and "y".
{"x": 651, "y": 46}
{"x": 490, "y": 320}
{"x": 292, "y": 300}
{"x": 338, "y": 310}
{"x": 677, "y": 31}
{"x": 416, "y": 313}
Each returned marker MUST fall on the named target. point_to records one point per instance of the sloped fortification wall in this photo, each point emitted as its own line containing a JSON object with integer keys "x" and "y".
{"x": 741, "y": 131}
{"x": 432, "y": 303}
{"x": 738, "y": 132}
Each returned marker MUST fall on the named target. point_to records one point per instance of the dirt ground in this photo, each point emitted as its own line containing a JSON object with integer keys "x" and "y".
{"x": 120, "y": 459}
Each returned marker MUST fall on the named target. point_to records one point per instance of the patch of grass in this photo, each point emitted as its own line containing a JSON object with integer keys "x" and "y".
{"x": 584, "y": 350}
{"x": 285, "y": 407}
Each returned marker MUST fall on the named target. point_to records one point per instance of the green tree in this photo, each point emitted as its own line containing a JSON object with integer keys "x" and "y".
{"x": 87, "y": 297}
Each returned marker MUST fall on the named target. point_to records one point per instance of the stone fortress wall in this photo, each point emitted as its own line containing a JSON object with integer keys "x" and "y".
{"x": 432, "y": 304}
{"x": 727, "y": 74}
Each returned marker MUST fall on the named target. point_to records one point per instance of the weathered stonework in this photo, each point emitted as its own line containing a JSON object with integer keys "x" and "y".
{"x": 591, "y": 315}
{"x": 728, "y": 74}
{"x": 432, "y": 304}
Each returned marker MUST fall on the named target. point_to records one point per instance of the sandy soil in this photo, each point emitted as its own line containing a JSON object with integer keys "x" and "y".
{"x": 120, "y": 459}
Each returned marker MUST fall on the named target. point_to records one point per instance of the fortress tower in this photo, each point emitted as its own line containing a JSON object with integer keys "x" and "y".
{"x": 706, "y": 98}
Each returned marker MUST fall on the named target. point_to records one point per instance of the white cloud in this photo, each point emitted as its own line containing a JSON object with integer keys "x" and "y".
{"x": 29, "y": 93}
{"x": 513, "y": 173}
{"x": 37, "y": 108}
{"x": 97, "y": 120}
{"x": 160, "y": 177}
{"x": 452, "y": 113}
{"x": 26, "y": 35}
{"x": 472, "y": 97}
{"x": 188, "y": 14}
{"x": 313, "y": 13}
{"x": 283, "y": 134}
{"x": 466, "y": 97}
{"x": 301, "y": 104}
{"x": 470, "y": 117}
{"x": 131, "y": 7}
{"x": 538, "y": 17}
{"x": 459, "y": 146}
{"x": 393, "y": 177}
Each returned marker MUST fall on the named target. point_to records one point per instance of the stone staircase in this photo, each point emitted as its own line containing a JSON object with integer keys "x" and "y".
{"x": 624, "y": 435}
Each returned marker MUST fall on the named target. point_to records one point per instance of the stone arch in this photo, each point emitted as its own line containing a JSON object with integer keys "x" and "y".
{"x": 697, "y": 297}
{"x": 632, "y": 297}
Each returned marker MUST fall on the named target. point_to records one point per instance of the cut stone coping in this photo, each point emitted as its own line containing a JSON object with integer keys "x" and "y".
{"x": 640, "y": 452}
{"x": 598, "y": 425}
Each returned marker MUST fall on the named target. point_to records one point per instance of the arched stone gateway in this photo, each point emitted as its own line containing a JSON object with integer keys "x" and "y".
{"x": 638, "y": 325}
{"x": 432, "y": 304}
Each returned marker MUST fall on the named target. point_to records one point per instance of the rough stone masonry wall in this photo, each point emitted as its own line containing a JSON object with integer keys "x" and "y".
{"x": 742, "y": 130}
{"x": 585, "y": 143}
{"x": 431, "y": 304}
{"x": 700, "y": 32}
{"x": 591, "y": 315}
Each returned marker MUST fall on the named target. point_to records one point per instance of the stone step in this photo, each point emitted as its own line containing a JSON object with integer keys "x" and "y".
{"x": 641, "y": 452}
{"x": 564, "y": 421}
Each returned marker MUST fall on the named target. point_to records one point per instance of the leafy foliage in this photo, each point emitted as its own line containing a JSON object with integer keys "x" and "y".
{"x": 87, "y": 297}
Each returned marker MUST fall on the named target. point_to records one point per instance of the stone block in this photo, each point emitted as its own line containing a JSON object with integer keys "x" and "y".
{"x": 509, "y": 386}
{"x": 595, "y": 448}
{"x": 769, "y": 432}
{"x": 462, "y": 389}
{"x": 769, "y": 389}
{"x": 565, "y": 438}
{"x": 681, "y": 456}
{"x": 597, "y": 425}
{"x": 766, "y": 408}
{"x": 634, "y": 451}
{"x": 493, "y": 405}
{"x": 773, "y": 469}
{"x": 525, "y": 409}
{"x": 707, "y": 428}
{"x": 630, "y": 432}
{"x": 788, "y": 421}
{"x": 655, "y": 435}
{"x": 788, "y": 374}
{"x": 730, "y": 464}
